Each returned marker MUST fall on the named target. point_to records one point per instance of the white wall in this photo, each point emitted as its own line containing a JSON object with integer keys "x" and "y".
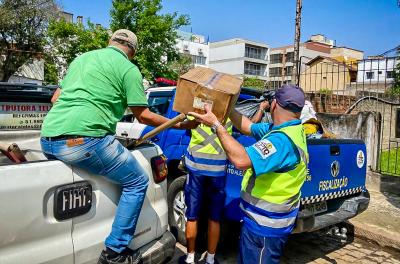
{"x": 227, "y": 52}
{"x": 235, "y": 67}
{"x": 193, "y": 49}
{"x": 375, "y": 66}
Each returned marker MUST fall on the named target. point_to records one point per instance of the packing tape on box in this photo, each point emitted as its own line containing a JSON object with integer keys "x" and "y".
{"x": 199, "y": 103}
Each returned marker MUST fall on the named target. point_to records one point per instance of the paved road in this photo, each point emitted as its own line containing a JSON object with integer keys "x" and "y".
{"x": 317, "y": 248}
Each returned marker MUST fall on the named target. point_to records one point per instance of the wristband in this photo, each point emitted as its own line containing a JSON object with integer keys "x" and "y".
{"x": 215, "y": 126}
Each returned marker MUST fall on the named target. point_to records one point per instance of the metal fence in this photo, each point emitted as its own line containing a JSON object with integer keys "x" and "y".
{"x": 348, "y": 87}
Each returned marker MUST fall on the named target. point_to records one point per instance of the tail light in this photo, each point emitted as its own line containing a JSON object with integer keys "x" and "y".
{"x": 160, "y": 169}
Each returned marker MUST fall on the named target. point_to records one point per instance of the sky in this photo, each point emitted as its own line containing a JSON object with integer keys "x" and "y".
{"x": 372, "y": 26}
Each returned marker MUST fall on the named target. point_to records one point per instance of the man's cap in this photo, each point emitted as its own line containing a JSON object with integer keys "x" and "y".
{"x": 290, "y": 97}
{"x": 127, "y": 36}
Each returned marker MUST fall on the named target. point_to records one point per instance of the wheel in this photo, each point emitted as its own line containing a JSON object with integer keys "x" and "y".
{"x": 177, "y": 209}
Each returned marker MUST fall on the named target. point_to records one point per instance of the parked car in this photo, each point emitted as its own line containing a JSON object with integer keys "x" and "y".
{"x": 54, "y": 213}
{"x": 333, "y": 192}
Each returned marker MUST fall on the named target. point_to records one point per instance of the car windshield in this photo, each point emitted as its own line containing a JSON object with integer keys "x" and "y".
{"x": 159, "y": 101}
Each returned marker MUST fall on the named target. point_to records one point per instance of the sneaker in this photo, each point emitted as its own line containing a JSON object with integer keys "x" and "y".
{"x": 215, "y": 261}
{"x": 182, "y": 260}
{"x": 127, "y": 256}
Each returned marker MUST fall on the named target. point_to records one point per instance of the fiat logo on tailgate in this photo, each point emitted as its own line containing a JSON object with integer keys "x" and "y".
{"x": 72, "y": 200}
{"x": 335, "y": 168}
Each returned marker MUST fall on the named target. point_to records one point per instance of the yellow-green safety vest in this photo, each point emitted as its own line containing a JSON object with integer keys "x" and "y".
{"x": 205, "y": 152}
{"x": 277, "y": 192}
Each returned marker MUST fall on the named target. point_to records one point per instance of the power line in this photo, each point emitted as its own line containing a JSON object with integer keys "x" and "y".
{"x": 391, "y": 50}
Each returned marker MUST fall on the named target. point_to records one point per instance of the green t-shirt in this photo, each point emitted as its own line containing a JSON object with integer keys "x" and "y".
{"x": 95, "y": 93}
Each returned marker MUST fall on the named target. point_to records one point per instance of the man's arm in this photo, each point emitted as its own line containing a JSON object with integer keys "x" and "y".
{"x": 242, "y": 123}
{"x": 233, "y": 149}
{"x": 145, "y": 116}
{"x": 55, "y": 96}
{"x": 259, "y": 114}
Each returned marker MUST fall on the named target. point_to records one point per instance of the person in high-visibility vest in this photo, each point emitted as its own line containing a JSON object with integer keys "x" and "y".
{"x": 276, "y": 169}
{"x": 206, "y": 162}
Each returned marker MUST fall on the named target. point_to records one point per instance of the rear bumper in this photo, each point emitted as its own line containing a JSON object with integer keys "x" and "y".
{"x": 307, "y": 221}
{"x": 160, "y": 250}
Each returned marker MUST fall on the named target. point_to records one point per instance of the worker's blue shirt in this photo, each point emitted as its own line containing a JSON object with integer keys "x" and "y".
{"x": 283, "y": 156}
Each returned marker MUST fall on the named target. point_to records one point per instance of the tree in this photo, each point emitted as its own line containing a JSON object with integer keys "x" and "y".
{"x": 179, "y": 66}
{"x": 253, "y": 83}
{"x": 156, "y": 34}
{"x": 68, "y": 40}
{"x": 395, "y": 89}
{"x": 23, "y": 26}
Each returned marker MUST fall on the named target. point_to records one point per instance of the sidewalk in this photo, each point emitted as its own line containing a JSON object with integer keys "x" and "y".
{"x": 381, "y": 221}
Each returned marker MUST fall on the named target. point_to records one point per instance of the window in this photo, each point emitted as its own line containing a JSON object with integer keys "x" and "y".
{"x": 290, "y": 57}
{"x": 389, "y": 74}
{"x": 289, "y": 71}
{"x": 379, "y": 72}
{"x": 276, "y": 58}
{"x": 254, "y": 52}
{"x": 199, "y": 59}
{"x": 370, "y": 75}
{"x": 254, "y": 69}
{"x": 274, "y": 84}
{"x": 275, "y": 72}
{"x": 159, "y": 102}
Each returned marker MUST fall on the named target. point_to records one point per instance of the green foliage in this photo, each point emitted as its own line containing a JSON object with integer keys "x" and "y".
{"x": 156, "y": 34}
{"x": 73, "y": 39}
{"x": 69, "y": 40}
{"x": 179, "y": 67}
{"x": 50, "y": 71}
{"x": 23, "y": 29}
{"x": 325, "y": 91}
{"x": 389, "y": 162}
{"x": 395, "y": 90}
{"x": 253, "y": 83}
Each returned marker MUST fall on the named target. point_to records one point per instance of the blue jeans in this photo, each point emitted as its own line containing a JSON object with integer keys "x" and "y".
{"x": 107, "y": 157}
{"x": 259, "y": 249}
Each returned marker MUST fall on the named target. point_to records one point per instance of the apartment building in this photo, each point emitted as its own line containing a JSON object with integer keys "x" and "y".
{"x": 195, "y": 46}
{"x": 281, "y": 65}
{"x": 240, "y": 57}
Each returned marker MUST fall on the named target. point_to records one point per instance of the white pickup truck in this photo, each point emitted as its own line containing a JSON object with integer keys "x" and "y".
{"x": 54, "y": 213}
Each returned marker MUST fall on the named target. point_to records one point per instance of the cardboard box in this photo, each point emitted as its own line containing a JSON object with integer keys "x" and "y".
{"x": 201, "y": 86}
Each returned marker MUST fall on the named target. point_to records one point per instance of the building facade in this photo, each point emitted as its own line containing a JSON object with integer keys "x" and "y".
{"x": 195, "y": 46}
{"x": 281, "y": 65}
{"x": 377, "y": 70}
{"x": 324, "y": 74}
{"x": 240, "y": 57}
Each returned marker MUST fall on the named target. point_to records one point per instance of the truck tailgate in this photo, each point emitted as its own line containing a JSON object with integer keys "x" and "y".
{"x": 337, "y": 168}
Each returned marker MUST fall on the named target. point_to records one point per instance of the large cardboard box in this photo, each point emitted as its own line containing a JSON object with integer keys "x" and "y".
{"x": 201, "y": 86}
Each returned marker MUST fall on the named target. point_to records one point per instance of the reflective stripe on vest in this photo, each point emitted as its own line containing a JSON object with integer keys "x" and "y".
{"x": 261, "y": 193}
{"x": 205, "y": 167}
{"x": 209, "y": 139}
{"x": 288, "y": 206}
{"x": 270, "y": 222}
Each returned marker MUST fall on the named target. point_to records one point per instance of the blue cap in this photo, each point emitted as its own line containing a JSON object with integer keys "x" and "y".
{"x": 290, "y": 97}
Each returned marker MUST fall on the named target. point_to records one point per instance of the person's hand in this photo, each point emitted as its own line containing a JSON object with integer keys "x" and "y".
{"x": 208, "y": 119}
{"x": 264, "y": 105}
{"x": 189, "y": 124}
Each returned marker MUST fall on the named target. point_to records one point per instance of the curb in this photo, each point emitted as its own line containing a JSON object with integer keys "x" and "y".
{"x": 376, "y": 234}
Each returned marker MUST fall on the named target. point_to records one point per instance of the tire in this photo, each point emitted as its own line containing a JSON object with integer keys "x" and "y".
{"x": 177, "y": 209}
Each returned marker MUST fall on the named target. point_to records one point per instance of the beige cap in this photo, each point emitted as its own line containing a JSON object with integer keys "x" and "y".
{"x": 125, "y": 35}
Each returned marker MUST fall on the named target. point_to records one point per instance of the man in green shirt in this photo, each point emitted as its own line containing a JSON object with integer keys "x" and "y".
{"x": 79, "y": 130}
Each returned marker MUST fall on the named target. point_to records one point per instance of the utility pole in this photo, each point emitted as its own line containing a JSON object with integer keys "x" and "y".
{"x": 296, "y": 70}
